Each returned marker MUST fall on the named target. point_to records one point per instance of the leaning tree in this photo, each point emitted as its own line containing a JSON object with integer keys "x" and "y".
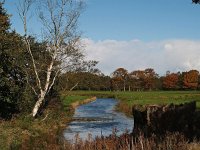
{"x": 59, "y": 20}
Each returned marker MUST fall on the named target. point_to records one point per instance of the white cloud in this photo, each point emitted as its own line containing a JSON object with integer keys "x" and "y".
{"x": 173, "y": 55}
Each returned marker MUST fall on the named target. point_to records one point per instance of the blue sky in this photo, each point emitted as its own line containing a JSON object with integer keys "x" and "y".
{"x": 159, "y": 34}
{"x": 141, "y": 19}
{"x": 132, "y": 19}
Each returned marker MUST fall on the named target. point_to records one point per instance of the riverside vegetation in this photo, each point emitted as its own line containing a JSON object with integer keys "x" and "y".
{"x": 170, "y": 137}
{"x": 29, "y": 70}
{"x": 45, "y": 132}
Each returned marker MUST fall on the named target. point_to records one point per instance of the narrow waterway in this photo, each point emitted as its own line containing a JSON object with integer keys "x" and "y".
{"x": 98, "y": 118}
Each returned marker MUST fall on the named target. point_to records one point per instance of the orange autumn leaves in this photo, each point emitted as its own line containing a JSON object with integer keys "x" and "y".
{"x": 148, "y": 79}
{"x": 186, "y": 80}
{"x": 171, "y": 81}
{"x": 191, "y": 79}
{"x": 135, "y": 80}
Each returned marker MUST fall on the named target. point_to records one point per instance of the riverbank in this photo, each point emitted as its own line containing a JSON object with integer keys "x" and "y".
{"x": 44, "y": 132}
{"x": 169, "y": 140}
{"x": 128, "y": 99}
{"x": 25, "y": 132}
{"x": 74, "y": 105}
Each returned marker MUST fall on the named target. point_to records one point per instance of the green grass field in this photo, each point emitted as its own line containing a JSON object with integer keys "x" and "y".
{"x": 144, "y": 98}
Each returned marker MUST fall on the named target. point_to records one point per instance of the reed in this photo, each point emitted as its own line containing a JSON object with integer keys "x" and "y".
{"x": 171, "y": 141}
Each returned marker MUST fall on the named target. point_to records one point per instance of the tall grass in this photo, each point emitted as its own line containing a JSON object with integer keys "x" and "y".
{"x": 170, "y": 141}
{"x": 25, "y": 132}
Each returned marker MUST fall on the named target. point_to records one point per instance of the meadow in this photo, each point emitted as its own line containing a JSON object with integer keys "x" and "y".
{"x": 141, "y": 97}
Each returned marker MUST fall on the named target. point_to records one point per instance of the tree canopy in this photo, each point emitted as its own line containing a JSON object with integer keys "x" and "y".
{"x": 196, "y": 1}
{"x": 12, "y": 78}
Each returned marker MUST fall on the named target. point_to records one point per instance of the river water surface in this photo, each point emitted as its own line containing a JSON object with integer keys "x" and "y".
{"x": 98, "y": 118}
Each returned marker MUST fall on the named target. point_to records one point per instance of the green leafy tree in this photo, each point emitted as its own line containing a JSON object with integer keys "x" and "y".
{"x": 12, "y": 79}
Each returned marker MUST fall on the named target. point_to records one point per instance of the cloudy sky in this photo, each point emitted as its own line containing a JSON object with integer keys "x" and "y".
{"x": 137, "y": 34}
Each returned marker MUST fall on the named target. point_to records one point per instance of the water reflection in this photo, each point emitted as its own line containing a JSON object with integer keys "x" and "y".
{"x": 98, "y": 118}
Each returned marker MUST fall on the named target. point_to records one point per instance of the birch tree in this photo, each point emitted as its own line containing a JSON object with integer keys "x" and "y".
{"x": 59, "y": 23}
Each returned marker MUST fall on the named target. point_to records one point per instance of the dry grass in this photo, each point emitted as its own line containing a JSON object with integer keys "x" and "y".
{"x": 170, "y": 141}
{"x": 45, "y": 132}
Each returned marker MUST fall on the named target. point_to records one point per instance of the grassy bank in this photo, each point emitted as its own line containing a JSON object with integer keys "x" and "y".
{"x": 144, "y": 98}
{"x": 127, "y": 99}
{"x": 67, "y": 101}
{"x": 45, "y": 132}
{"x": 24, "y": 132}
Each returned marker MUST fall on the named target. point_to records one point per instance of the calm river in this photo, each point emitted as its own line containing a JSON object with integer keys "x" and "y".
{"x": 98, "y": 118}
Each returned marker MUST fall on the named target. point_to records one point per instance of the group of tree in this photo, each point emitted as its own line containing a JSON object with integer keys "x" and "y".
{"x": 83, "y": 81}
{"x": 135, "y": 80}
{"x": 181, "y": 81}
{"x": 122, "y": 80}
{"x": 30, "y": 67}
{"x": 148, "y": 79}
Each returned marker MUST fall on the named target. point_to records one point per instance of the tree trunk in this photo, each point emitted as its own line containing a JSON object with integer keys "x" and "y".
{"x": 45, "y": 91}
{"x": 38, "y": 103}
{"x": 124, "y": 86}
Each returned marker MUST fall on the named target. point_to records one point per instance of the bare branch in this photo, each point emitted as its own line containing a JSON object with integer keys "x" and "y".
{"x": 74, "y": 87}
{"x": 27, "y": 80}
{"x": 53, "y": 81}
{"x": 33, "y": 63}
{"x": 23, "y": 9}
{"x": 2, "y": 1}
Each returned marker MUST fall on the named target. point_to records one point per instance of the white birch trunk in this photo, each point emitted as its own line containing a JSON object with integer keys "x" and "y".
{"x": 38, "y": 104}
{"x": 63, "y": 25}
{"x": 41, "y": 98}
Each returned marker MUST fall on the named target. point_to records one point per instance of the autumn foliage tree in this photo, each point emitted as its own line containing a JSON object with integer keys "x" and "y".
{"x": 149, "y": 78}
{"x": 191, "y": 79}
{"x": 137, "y": 80}
{"x": 170, "y": 81}
{"x": 143, "y": 79}
{"x": 119, "y": 78}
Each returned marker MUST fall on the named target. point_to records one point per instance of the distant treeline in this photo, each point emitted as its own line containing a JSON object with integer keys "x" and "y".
{"x": 138, "y": 80}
